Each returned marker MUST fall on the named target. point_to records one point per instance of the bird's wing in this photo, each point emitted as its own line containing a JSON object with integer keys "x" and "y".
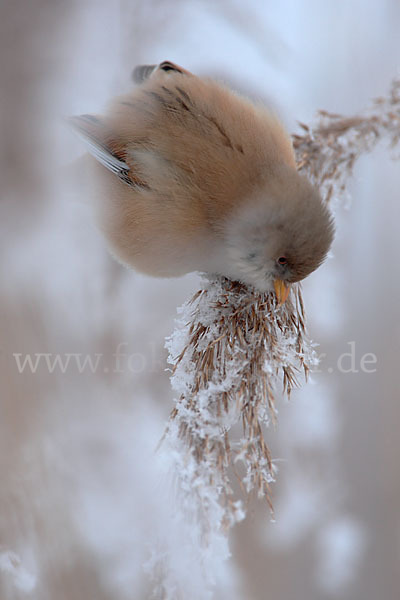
{"x": 143, "y": 72}
{"x": 99, "y": 143}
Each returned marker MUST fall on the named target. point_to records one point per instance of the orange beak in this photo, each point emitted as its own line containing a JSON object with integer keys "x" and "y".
{"x": 281, "y": 290}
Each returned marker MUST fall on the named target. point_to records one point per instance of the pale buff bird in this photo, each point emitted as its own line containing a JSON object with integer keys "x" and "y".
{"x": 190, "y": 176}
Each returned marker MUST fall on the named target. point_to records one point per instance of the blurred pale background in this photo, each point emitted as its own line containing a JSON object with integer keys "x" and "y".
{"x": 77, "y": 496}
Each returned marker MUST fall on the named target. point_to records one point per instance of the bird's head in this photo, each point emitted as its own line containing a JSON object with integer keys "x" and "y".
{"x": 280, "y": 235}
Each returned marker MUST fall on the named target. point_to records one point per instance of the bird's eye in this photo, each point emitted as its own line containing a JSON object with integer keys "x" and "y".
{"x": 282, "y": 260}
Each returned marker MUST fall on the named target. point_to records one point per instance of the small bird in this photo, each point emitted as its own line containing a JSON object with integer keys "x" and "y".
{"x": 190, "y": 176}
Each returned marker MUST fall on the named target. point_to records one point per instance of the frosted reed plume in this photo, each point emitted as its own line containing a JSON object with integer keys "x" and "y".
{"x": 231, "y": 350}
{"x": 234, "y": 349}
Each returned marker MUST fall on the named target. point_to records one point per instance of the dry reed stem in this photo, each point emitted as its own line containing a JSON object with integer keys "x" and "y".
{"x": 327, "y": 151}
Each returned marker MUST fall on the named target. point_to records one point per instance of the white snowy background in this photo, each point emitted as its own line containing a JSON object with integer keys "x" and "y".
{"x": 83, "y": 497}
